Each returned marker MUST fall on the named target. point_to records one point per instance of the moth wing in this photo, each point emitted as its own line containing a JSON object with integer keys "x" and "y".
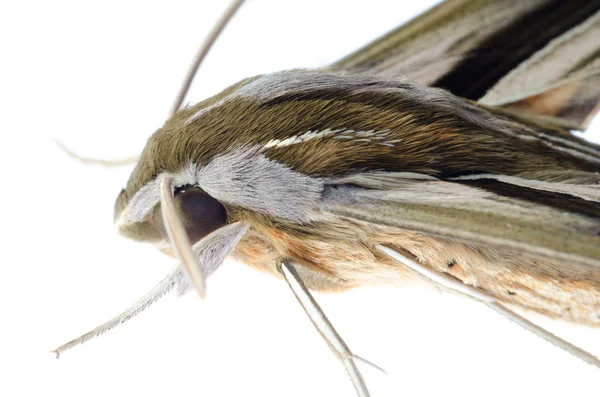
{"x": 542, "y": 57}
{"x": 561, "y": 80}
{"x": 496, "y": 213}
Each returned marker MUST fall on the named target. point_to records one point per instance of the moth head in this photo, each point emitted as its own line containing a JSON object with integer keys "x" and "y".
{"x": 199, "y": 182}
{"x": 170, "y": 152}
{"x": 224, "y": 152}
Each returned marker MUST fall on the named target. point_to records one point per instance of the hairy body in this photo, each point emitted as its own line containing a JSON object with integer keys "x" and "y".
{"x": 507, "y": 207}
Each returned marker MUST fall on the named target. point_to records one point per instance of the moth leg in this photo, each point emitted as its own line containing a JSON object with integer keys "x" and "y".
{"x": 161, "y": 289}
{"x": 90, "y": 161}
{"x": 324, "y": 326}
{"x": 449, "y": 282}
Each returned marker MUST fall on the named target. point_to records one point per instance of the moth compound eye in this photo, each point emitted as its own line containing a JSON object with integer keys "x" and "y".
{"x": 200, "y": 213}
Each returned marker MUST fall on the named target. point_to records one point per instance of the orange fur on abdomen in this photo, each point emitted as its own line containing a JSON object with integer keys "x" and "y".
{"x": 340, "y": 254}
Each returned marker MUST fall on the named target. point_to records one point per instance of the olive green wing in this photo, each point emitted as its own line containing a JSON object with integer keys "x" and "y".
{"x": 556, "y": 220}
{"x": 538, "y": 56}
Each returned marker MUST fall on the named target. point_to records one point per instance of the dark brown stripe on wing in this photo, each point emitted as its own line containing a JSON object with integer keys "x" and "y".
{"x": 560, "y": 201}
{"x": 473, "y": 77}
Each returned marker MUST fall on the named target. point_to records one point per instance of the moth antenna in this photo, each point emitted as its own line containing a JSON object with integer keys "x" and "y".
{"x": 92, "y": 161}
{"x": 453, "y": 284}
{"x": 203, "y": 51}
{"x": 179, "y": 238}
{"x": 324, "y": 326}
{"x": 160, "y": 290}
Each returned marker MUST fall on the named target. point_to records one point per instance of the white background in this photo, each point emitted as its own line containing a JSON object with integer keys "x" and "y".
{"x": 101, "y": 77}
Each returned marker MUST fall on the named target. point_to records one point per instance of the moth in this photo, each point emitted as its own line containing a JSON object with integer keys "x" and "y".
{"x": 366, "y": 173}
